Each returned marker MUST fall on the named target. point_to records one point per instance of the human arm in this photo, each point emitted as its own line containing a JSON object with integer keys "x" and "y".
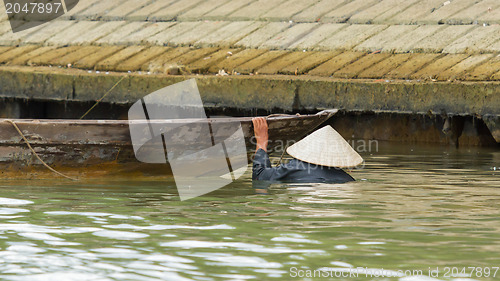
{"x": 262, "y": 168}
{"x": 261, "y": 159}
{"x": 260, "y": 130}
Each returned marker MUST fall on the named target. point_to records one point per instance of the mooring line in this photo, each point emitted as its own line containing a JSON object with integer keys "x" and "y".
{"x": 36, "y": 154}
{"x": 282, "y": 156}
{"x": 99, "y": 100}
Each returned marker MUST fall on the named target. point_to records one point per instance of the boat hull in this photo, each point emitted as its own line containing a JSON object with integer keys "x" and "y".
{"x": 105, "y": 146}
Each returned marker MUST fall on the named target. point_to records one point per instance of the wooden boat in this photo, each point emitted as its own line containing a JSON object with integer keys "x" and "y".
{"x": 94, "y": 147}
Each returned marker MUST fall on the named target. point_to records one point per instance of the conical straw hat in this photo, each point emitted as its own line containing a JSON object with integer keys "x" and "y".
{"x": 325, "y": 147}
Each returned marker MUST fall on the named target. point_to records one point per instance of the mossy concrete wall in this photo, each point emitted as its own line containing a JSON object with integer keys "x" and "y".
{"x": 284, "y": 93}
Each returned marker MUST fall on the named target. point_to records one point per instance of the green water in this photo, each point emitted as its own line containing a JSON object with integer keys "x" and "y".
{"x": 412, "y": 208}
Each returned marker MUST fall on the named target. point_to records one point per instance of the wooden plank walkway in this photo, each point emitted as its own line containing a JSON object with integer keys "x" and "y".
{"x": 294, "y": 28}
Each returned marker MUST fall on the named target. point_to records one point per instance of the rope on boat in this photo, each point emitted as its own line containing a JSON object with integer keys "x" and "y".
{"x": 281, "y": 115}
{"x": 281, "y": 158}
{"x": 36, "y": 154}
{"x": 99, "y": 100}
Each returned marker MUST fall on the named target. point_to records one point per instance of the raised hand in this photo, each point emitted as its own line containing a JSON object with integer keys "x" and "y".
{"x": 260, "y": 130}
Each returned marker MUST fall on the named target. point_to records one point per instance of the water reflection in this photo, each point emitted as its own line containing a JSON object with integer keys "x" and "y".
{"x": 409, "y": 210}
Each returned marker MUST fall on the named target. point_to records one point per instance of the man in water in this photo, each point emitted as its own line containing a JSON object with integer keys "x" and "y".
{"x": 319, "y": 157}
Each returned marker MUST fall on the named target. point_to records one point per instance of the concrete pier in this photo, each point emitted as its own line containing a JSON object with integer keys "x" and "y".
{"x": 420, "y": 56}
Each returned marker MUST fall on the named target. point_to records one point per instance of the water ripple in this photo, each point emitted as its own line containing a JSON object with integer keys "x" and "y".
{"x": 191, "y": 244}
{"x": 120, "y": 235}
{"x": 10, "y": 201}
{"x": 93, "y": 215}
{"x": 165, "y": 227}
{"x": 12, "y": 211}
{"x": 243, "y": 261}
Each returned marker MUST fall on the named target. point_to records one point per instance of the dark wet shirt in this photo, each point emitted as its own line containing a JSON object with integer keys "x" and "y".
{"x": 295, "y": 171}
